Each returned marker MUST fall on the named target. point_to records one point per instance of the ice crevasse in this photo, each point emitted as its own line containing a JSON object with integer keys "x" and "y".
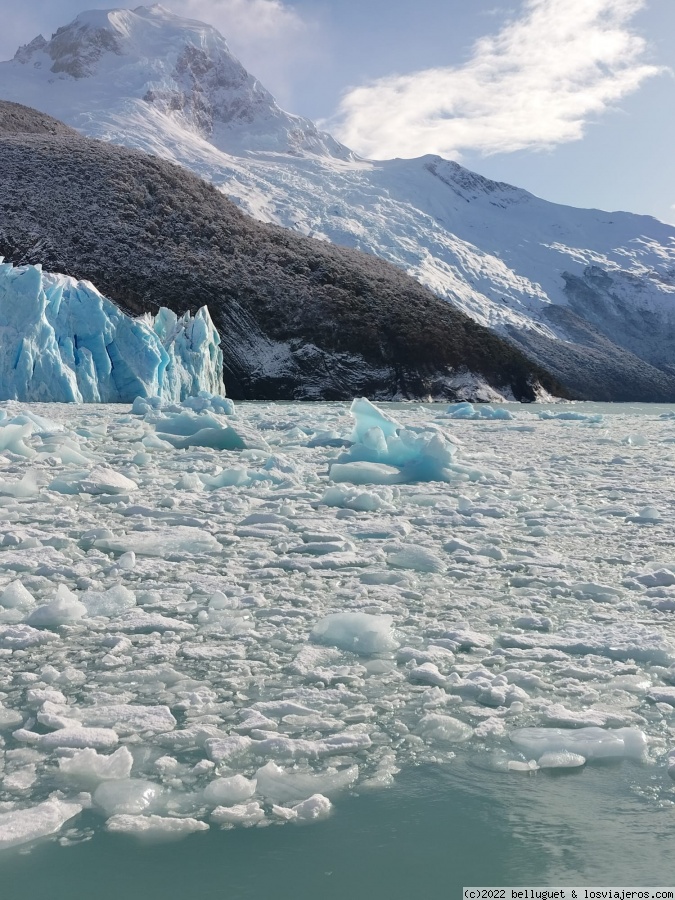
{"x": 63, "y": 341}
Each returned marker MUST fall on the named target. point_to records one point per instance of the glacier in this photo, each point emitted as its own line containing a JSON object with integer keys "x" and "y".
{"x": 62, "y": 341}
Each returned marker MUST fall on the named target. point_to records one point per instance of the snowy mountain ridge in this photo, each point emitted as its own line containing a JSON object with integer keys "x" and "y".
{"x": 580, "y": 290}
{"x": 173, "y": 68}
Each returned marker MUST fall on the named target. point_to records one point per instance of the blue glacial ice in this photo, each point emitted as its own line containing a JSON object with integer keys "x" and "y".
{"x": 62, "y": 341}
{"x": 384, "y": 452}
{"x": 467, "y": 410}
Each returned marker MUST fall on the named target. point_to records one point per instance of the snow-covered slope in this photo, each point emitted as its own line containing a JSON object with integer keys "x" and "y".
{"x": 62, "y": 341}
{"x": 580, "y": 289}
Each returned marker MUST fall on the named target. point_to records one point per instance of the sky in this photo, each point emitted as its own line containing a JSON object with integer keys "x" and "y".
{"x": 573, "y": 100}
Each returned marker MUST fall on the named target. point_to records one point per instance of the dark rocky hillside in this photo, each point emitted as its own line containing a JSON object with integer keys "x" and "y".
{"x": 299, "y": 318}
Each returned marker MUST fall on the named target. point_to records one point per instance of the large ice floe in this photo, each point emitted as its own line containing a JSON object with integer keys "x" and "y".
{"x": 205, "y": 624}
{"x": 62, "y": 341}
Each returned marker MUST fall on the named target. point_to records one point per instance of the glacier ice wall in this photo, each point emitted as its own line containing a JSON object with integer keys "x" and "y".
{"x": 62, "y": 341}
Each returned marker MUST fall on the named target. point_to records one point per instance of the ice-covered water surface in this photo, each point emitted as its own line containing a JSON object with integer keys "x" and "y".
{"x": 201, "y": 627}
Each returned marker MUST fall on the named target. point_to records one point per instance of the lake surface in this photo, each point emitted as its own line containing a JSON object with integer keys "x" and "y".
{"x": 183, "y": 607}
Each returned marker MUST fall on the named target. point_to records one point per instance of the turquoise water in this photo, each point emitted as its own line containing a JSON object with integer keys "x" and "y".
{"x": 436, "y": 830}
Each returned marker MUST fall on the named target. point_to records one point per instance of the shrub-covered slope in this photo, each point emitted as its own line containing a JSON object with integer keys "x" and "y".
{"x": 298, "y": 318}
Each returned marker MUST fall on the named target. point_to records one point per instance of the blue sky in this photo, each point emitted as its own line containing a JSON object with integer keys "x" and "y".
{"x": 571, "y": 99}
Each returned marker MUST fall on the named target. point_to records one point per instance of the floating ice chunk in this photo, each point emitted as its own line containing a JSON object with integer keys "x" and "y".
{"x": 427, "y": 673}
{"x": 571, "y": 416}
{"x": 112, "y": 602}
{"x": 184, "y": 428}
{"x": 19, "y": 637}
{"x": 381, "y": 441}
{"x": 637, "y": 642}
{"x": 104, "y": 480}
{"x": 365, "y": 473}
{"x": 468, "y": 411}
{"x": 232, "y": 477}
{"x": 362, "y": 501}
{"x": 561, "y": 759}
{"x": 312, "y": 809}
{"x": 662, "y": 695}
{"x": 9, "y": 718}
{"x": 16, "y": 596}
{"x": 64, "y": 610}
{"x": 154, "y": 828}
{"x": 517, "y": 765}
{"x": 13, "y": 437}
{"x": 284, "y": 747}
{"x": 128, "y": 719}
{"x": 245, "y": 814}
{"x": 591, "y": 743}
{"x": 205, "y": 401}
{"x": 437, "y": 727}
{"x": 77, "y": 738}
{"x": 87, "y": 768}
{"x": 419, "y": 559}
{"x": 138, "y": 621}
{"x": 366, "y": 416}
{"x": 463, "y": 410}
{"x": 287, "y": 785}
{"x": 465, "y": 639}
{"x": 659, "y": 578}
{"x": 558, "y": 714}
{"x": 194, "y": 737}
{"x": 129, "y": 796}
{"x": 179, "y": 539}
{"x": 26, "y": 487}
{"x": 127, "y": 561}
{"x": 226, "y": 749}
{"x": 20, "y": 826}
{"x": 360, "y": 633}
{"x": 229, "y": 791}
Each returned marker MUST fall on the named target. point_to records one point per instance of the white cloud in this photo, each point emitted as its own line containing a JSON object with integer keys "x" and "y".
{"x": 533, "y": 85}
{"x": 270, "y": 37}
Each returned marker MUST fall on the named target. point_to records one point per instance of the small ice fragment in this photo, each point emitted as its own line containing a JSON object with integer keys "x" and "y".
{"x": 416, "y": 558}
{"x": 229, "y": 791}
{"x": 437, "y": 727}
{"x": 288, "y": 785}
{"x": 16, "y": 596}
{"x": 130, "y": 796}
{"x": 87, "y": 768}
{"x": 516, "y": 765}
{"x": 154, "y": 827}
{"x": 78, "y": 738}
{"x": 246, "y": 814}
{"x": 591, "y": 743}
{"x": 562, "y": 759}
{"x": 103, "y": 480}
{"x": 63, "y": 610}
{"x": 110, "y": 603}
{"x": 360, "y": 633}
{"x": 20, "y": 826}
{"x": 364, "y": 473}
{"x": 312, "y": 809}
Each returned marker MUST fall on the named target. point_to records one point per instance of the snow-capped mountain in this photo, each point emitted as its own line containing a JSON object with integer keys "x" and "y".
{"x": 590, "y": 294}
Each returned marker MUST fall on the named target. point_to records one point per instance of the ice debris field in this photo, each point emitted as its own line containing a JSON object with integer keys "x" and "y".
{"x": 214, "y": 617}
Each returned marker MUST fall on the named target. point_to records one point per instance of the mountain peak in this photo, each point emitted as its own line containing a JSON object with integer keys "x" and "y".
{"x": 133, "y": 59}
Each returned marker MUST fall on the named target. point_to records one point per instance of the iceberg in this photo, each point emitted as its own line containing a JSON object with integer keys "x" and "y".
{"x": 383, "y": 452}
{"x": 61, "y": 341}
